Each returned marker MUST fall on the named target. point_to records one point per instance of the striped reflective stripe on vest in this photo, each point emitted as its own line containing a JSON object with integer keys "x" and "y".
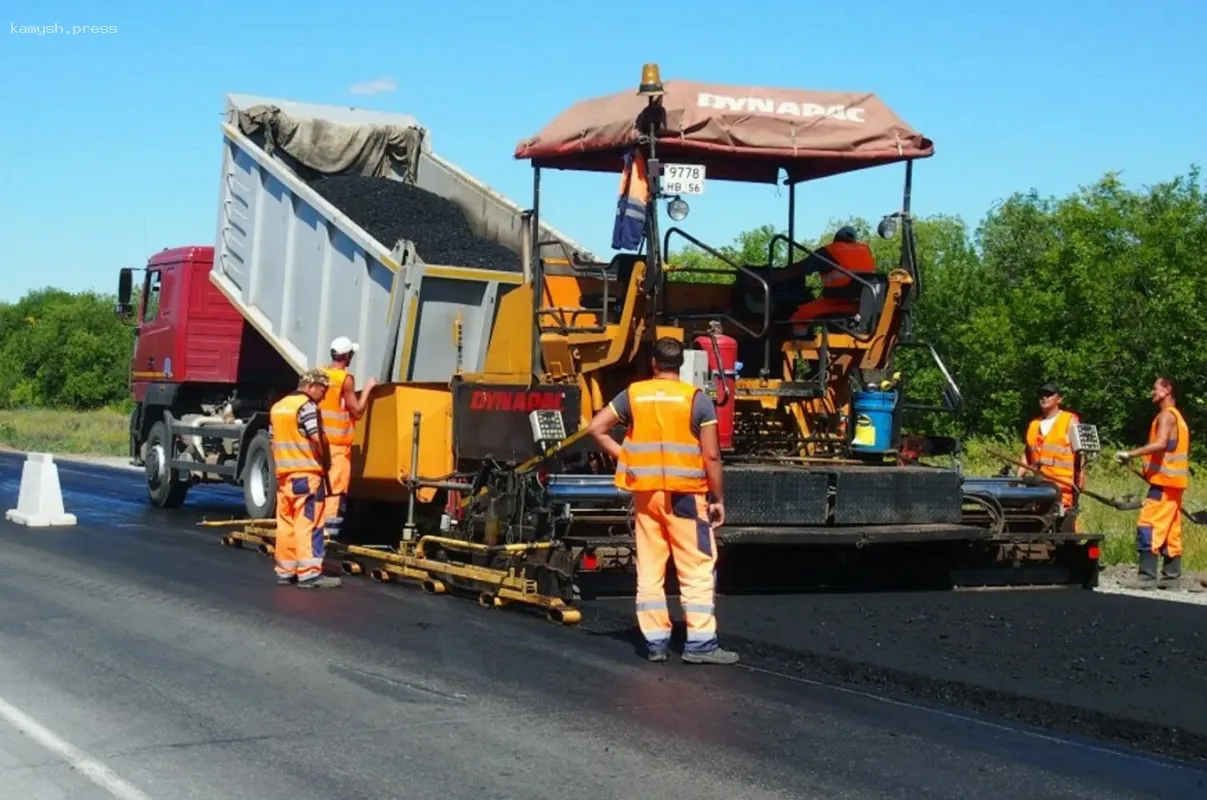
{"x": 660, "y": 447}
{"x": 291, "y": 458}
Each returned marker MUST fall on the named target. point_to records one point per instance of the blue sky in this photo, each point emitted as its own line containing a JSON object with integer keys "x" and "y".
{"x": 111, "y": 142}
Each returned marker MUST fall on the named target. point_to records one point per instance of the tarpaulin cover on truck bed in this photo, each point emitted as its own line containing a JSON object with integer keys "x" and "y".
{"x": 318, "y": 146}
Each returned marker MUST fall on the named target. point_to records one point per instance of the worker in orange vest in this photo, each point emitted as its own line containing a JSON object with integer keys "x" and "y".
{"x": 670, "y": 463}
{"x": 840, "y": 293}
{"x": 341, "y": 408}
{"x": 299, "y": 453}
{"x": 1167, "y": 470}
{"x": 1049, "y": 447}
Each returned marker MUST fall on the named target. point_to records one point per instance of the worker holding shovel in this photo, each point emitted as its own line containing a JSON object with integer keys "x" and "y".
{"x": 1167, "y": 470}
{"x": 1050, "y": 448}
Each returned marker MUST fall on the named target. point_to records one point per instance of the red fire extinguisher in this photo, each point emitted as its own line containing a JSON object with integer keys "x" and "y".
{"x": 722, "y": 353}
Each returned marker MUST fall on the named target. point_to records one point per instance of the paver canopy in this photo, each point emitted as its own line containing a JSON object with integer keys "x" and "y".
{"x": 744, "y": 133}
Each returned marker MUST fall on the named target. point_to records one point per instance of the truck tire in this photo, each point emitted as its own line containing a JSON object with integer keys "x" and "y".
{"x": 259, "y": 478}
{"x": 164, "y": 489}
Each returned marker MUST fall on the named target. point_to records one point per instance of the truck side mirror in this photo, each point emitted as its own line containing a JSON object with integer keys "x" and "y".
{"x": 125, "y": 290}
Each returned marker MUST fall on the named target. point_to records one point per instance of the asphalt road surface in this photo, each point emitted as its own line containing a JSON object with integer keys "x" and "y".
{"x": 141, "y": 659}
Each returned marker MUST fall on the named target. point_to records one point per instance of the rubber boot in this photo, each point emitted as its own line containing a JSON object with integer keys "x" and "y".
{"x": 1146, "y": 573}
{"x": 1172, "y": 577}
{"x": 321, "y": 582}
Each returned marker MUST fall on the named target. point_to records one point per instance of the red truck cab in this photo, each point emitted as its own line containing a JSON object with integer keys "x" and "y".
{"x": 202, "y": 379}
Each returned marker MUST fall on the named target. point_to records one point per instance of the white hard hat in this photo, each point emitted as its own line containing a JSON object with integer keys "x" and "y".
{"x": 342, "y": 344}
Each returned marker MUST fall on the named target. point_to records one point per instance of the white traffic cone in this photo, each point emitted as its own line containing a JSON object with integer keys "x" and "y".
{"x": 40, "y": 501}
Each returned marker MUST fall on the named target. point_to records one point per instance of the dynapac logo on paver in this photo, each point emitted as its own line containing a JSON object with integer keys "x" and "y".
{"x": 483, "y": 400}
{"x": 782, "y": 108}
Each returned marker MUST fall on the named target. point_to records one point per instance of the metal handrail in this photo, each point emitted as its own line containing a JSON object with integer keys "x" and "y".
{"x": 791, "y": 244}
{"x": 751, "y": 273}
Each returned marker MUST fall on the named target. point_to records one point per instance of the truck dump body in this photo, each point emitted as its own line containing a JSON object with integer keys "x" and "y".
{"x": 323, "y": 208}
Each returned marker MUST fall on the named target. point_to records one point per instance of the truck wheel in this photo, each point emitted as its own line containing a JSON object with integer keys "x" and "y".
{"x": 259, "y": 481}
{"x": 164, "y": 489}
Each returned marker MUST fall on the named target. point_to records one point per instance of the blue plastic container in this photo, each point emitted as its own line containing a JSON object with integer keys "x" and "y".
{"x": 873, "y": 413}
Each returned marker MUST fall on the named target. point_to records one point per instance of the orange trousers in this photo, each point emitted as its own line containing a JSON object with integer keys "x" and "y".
{"x": 298, "y": 548}
{"x": 340, "y": 475}
{"x": 1159, "y": 529}
{"x": 669, "y": 524}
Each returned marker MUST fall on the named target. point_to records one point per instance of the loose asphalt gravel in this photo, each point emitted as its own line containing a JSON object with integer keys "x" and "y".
{"x": 390, "y": 210}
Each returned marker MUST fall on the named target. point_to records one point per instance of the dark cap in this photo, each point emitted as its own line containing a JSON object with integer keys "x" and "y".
{"x": 846, "y": 234}
{"x": 1049, "y": 388}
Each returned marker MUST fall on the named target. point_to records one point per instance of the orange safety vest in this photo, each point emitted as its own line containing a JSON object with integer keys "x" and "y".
{"x": 291, "y": 450}
{"x": 852, "y": 256}
{"x": 1170, "y": 468}
{"x": 628, "y": 229}
{"x": 1053, "y": 454}
{"x": 660, "y": 452}
{"x": 337, "y": 422}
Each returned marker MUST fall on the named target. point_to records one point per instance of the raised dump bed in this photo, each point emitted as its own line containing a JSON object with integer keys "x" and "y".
{"x": 321, "y": 208}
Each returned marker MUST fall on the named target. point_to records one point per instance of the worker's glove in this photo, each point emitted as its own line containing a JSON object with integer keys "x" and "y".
{"x": 1122, "y": 457}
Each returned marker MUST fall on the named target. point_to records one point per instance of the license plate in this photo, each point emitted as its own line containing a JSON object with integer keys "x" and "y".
{"x": 683, "y": 179}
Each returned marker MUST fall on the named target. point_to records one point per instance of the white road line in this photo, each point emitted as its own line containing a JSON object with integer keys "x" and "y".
{"x": 1162, "y": 762}
{"x": 92, "y": 769}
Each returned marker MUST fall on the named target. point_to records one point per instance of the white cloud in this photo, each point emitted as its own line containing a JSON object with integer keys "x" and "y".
{"x": 375, "y": 86}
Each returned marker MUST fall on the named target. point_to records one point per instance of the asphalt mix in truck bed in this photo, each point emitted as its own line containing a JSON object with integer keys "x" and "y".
{"x": 1122, "y": 669}
{"x": 390, "y": 210}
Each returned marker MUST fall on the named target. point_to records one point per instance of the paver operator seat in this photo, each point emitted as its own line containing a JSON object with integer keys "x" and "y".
{"x": 845, "y": 303}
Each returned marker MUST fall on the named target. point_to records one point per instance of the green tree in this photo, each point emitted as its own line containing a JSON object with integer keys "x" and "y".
{"x": 63, "y": 350}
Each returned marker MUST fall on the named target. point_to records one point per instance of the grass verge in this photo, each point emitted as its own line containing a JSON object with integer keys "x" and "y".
{"x": 104, "y": 433}
{"x": 89, "y": 433}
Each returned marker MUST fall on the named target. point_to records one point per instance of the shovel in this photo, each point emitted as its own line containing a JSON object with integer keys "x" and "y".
{"x": 1197, "y": 517}
{"x": 1128, "y": 503}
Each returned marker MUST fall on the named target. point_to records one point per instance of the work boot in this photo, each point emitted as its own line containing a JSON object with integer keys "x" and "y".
{"x": 714, "y": 656}
{"x": 655, "y": 655}
{"x": 287, "y": 581}
{"x": 1146, "y": 573}
{"x": 1171, "y": 573}
{"x": 1172, "y": 577}
{"x": 321, "y": 582}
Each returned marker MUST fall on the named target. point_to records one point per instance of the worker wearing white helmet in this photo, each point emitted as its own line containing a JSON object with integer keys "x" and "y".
{"x": 341, "y": 407}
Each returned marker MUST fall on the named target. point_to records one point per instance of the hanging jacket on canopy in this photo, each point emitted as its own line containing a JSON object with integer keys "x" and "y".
{"x": 628, "y": 231}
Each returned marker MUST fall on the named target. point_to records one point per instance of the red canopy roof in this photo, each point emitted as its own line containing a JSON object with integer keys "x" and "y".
{"x": 744, "y": 133}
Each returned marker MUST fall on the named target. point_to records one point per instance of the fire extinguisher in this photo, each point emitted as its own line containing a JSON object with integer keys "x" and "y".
{"x": 722, "y": 354}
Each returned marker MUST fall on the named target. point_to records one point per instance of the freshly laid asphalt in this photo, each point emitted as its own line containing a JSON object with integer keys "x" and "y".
{"x": 167, "y": 666}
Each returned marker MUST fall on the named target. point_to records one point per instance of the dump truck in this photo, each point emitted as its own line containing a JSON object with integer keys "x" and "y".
{"x": 470, "y": 469}
{"x": 223, "y": 329}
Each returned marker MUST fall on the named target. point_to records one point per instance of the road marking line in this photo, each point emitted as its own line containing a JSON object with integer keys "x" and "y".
{"x": 92, "y": 769}
{"x": 1163, "y": 761}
